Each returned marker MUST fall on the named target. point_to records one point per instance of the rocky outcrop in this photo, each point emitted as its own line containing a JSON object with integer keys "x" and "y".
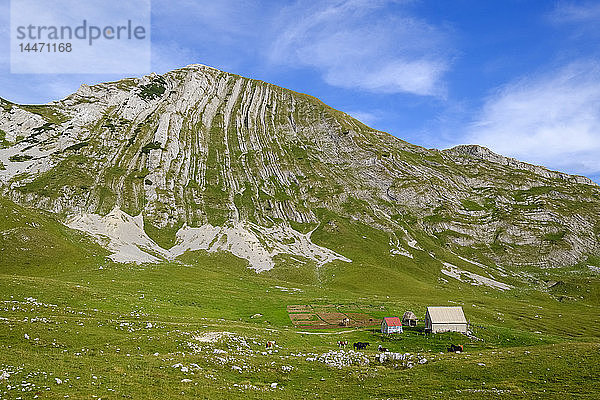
{"x": 483, "y": 153}
{"x": 199, "y": 148}
{"x": 124, "y": 235}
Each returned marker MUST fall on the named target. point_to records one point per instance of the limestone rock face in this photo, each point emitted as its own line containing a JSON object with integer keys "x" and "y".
{"x": 198, "y": 148}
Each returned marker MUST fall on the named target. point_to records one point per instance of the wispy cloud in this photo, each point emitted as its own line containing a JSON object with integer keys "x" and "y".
{"x": 572, "y": 12}
{"x": 580, "y": 19}
{"x": 551, "y": 119}
{"x": 371, "y": 46}
{"x": 225, "y": 33}
{"x": 168, "y": 55}
{"x": 357, "y": 44}
{"x": 366, "y": 117}
{"x": 222, "y": 20}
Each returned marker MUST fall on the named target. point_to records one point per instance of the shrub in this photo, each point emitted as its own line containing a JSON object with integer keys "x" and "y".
{"x": 152, "y": 91}
{"x": 20, "y": 158}
{"x": 76, "y": 146}
{"x": 151, "y": 146}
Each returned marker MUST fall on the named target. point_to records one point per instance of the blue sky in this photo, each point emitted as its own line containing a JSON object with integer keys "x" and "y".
{"x": 520, "y": 77}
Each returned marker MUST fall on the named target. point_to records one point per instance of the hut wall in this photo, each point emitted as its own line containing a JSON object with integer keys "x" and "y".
{"x": 435, "y": 328}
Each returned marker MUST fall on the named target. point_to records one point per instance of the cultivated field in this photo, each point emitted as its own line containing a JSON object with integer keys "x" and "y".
{"x": 327, "y": 316}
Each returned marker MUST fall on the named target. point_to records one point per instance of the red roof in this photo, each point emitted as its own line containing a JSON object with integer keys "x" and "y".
{"x": 392, "y": 321}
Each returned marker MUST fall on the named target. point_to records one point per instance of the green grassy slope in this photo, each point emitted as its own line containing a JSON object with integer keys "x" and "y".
{"x": 33, "y": 242}
{"x": 117, "y": 331}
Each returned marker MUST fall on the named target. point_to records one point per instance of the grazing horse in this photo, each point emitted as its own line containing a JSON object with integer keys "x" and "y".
{"x": 382, "y": 349}
{"x": 360, "y": 345}
{"x": 342, "y": 343}
{"x": 270, "y": 344}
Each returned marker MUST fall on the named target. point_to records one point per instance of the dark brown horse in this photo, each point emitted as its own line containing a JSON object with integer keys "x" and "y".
{"x": 360, "y": 345}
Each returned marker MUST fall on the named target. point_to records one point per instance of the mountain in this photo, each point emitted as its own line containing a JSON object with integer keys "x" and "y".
{"x": 135, "y": 215}
{"x": 200, "y": 159}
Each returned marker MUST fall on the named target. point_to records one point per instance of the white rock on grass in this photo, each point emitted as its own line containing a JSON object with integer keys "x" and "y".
{"x": 474, "y": 279}
{"x": 124, "y": 235}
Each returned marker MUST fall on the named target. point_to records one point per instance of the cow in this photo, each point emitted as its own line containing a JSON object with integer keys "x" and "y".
{"x": 270, "y": 344}
{"x": 455, "y": 348}
{"x": 382, "y": 349}
{"x": 342, "y": 343}
{"x": 360, "y": 345}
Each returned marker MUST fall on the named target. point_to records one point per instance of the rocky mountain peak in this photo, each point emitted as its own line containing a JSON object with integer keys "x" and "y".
{"x": 198, "y": 148}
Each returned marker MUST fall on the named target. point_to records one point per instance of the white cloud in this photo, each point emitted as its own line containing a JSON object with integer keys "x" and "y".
{"x": 575, "y": 12}
{"x": 367, "y": 118}
{"x": 168, "y": 55}
{"x": 552, "y": 119}
{"x": 361, "y": 44}
{"x": 221, "y": 20}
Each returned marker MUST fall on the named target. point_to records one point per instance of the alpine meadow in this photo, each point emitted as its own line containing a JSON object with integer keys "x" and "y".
{"x": 198, "y": 234}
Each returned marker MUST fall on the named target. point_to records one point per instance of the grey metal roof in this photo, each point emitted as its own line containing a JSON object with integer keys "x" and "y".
{"x": 446, "y": 315}
{"x": 409, "y": 315}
